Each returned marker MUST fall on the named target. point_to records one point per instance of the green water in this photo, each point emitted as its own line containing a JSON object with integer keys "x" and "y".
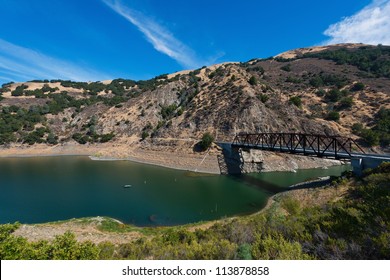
{"x": 44, "y": 189}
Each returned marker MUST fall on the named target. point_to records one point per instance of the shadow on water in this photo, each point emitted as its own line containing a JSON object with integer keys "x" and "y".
{"x": 257, "y": 183}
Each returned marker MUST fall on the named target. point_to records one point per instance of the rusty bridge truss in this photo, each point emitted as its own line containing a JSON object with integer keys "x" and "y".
{"x": 309, "y": 144}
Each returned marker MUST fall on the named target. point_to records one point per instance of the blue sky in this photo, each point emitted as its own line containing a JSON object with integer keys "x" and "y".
{"x": 91, "y": 40}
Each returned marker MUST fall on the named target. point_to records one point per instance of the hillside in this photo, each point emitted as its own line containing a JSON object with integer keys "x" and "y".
{"x": 339, "y": 89}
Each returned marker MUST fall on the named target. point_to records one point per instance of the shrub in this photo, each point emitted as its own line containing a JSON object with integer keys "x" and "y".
{"x": 263, "y": 97}
{"x": 293, "y": 80}
{"x": 52, "y": 139}
{"x": 370, "y": 137}
{"x": 358, "y": 86}
{"x": 207, "y": 140}
{"x": 321, "y": 92}
{"x": 333, "y": 116}
{"x": 167, "y": 111}
{"x": 276, "y": 247}
{"x": 316, "y": 82}
{"x": 291, "y": 205}
{"x": 333, "y": 95}
{"x": 244, "y": 252}
{"x": 286, "y": 67}
{"x": 296, "y": 100}
{"x": 106, "y": 137}
{"x": 252, "y": 81}
{"x": 357, "y": 128}
{"x": 144, "y": 135}
{"x": 346, "y": 102}
{"x": 19, "y": 90}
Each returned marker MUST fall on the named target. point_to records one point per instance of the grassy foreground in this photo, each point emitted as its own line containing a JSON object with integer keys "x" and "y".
{"x": 348, "y": 219}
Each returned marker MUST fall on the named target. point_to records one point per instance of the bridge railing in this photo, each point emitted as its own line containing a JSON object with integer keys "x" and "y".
{"x": 320, "y": 145}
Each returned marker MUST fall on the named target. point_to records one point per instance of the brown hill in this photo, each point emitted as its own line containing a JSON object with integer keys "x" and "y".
{"x": 316, "y": 90}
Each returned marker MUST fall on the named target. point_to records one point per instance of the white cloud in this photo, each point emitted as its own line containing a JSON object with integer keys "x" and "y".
{"x": 161, "y": 38}
{"x": 20, "y": 64}
{"x": 371, "y": 25}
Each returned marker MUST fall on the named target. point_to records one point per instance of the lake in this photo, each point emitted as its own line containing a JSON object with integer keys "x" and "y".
{"x": 45, "y": 189}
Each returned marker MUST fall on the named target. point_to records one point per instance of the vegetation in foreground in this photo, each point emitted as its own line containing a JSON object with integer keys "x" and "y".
{"x": 352, "y": 226}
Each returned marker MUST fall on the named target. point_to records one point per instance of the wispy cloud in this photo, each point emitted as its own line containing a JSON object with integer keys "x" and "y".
{"x": 371, "y": 25}
{"x": 19, "y": 64}
{"x": 160, "y": 37}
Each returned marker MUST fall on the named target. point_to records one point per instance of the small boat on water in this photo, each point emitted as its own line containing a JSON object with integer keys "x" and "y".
{"x": 127, "y": 186}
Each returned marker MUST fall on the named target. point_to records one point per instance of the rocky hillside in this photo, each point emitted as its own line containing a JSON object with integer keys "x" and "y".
{"x": 339, "y": 89}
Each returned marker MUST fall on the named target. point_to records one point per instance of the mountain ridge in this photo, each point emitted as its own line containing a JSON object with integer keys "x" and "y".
{"x": 337, "y": 89}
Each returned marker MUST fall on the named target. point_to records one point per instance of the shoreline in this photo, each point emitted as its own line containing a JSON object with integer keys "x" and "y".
{"x": 96, "y": 158}
{"x": 173, "y": 154}
{"x": 177, "y": 158}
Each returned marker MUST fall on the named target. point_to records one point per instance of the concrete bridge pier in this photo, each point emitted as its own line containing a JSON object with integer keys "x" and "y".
{"x": 359, "y": 164}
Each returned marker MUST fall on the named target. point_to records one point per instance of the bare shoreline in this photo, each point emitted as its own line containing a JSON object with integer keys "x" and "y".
{"x": 179, "y": 160}
{"x": 177, "y": 155}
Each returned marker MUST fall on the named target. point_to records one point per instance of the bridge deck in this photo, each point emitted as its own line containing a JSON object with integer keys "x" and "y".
{"x": 308, "y": 144}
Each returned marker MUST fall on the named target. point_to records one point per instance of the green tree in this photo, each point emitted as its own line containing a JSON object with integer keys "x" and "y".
{"x": 371, "y": 137}
{"x": 52, "y": 139}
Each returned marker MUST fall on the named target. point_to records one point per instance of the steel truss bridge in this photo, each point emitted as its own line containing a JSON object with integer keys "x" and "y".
{"x": 308, "y": 144}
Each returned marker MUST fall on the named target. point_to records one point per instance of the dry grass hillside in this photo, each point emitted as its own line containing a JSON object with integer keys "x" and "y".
{"x": 306, "y": 90}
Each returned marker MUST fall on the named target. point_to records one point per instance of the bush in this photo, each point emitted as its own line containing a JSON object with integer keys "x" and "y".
{"x": 345, "y": 102}
{"x": 263, "y": 97}
{"x": 333, "y": 95}
{"x": 167, "y": 111}
{"x": 52, "y": 139}
{"x": 276, "y": 247}
{"x": 293, "y": 80}
{"x": 357, "y": 87}
{"x": 207, "y": 140}
{"x": 286, "y": 67}
{"x": 333, "y": 116}
{"x": 106, "y": 137}
{"x": 370, "y": 137}
{"x": 357, "y": 128}
{"x": 296, "y": 100}
{"x": 316, "y": 82}
{"x": 144, "y": 135}
{"x": 19, "y": 90}
{"x": 244, "y": 252}
{"x": 291, "y": 205}
{"x": 252, "y": 81}
{"x": 321, "y": 92}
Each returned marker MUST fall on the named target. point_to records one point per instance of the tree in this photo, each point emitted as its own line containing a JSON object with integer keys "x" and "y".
{"x": 52, "y": 139}
{"x": 207, "y": 140}
{"x": 370, "y": 136}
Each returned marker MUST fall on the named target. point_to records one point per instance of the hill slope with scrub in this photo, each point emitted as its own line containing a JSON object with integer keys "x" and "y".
{"x": 339, "y": 89}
